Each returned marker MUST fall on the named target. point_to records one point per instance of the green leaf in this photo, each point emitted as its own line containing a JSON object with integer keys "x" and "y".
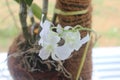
{"x": 36, "y": 10}
{"x": 28, "y": 2}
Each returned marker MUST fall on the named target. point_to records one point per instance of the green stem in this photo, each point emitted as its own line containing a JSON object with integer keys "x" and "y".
{"x": 45, "y": 9}
{"x": 83, "y": 60}
{"x": 23, "y": 16}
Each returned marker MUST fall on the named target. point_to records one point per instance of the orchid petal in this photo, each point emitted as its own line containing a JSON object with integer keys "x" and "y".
{"x": 44, "y": 54}
{"x": 63, "y": 52}
{"x": 67, "y": 27}
{"x": 53, "y": 37}
{"x": 45, "y": 28}
{"x": 59, "y": 29}
{"x": 54, "y": 57}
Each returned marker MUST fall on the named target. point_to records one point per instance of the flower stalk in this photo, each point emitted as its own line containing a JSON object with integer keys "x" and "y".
{"x": 45, "y": 9}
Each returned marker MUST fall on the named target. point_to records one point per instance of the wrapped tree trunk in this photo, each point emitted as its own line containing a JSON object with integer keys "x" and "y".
{"x": 71, "y": 20}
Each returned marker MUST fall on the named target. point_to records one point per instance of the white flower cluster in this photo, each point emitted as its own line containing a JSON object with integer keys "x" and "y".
{"x": 49, "y": 40}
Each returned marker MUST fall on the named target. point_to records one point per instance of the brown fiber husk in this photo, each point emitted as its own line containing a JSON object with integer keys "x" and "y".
{"x": 14, "y": 63}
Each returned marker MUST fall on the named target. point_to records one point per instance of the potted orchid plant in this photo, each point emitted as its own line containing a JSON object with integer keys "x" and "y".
{"x": 44, "y": 50}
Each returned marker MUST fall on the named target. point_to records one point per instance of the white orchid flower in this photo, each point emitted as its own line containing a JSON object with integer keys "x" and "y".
{"x": 73, "y": 39}
{"x": 73, "y": 42}
{"x": 48, "y": 41}
{"x": 47, "y": 51}
{"x": 63, "y": 52}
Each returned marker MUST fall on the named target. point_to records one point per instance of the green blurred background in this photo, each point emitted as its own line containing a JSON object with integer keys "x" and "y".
{"x": 106, "y": 22}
